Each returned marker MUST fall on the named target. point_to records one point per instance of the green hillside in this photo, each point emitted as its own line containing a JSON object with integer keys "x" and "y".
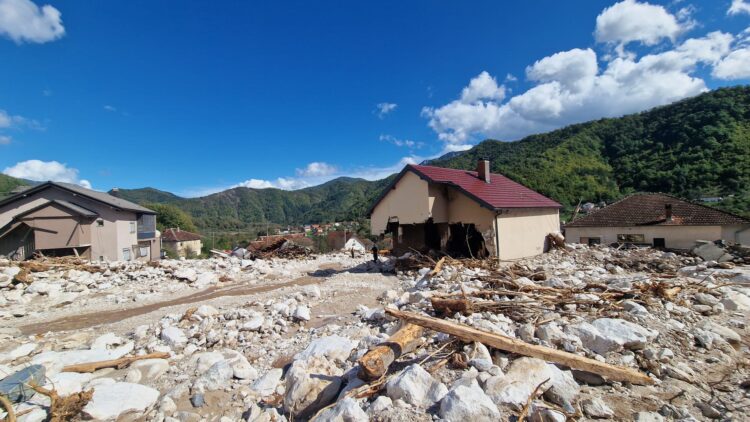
{"x": 238, "y": 208}
{"x": 7, "y": 184}
{"x": 693, "y": 148}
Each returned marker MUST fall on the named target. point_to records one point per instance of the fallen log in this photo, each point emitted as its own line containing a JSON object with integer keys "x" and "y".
{"x": 449, "y": 306}
{"x": 374, "y": 364}
{"x": 512, "y": 345}
{"x": 114, "y": 363}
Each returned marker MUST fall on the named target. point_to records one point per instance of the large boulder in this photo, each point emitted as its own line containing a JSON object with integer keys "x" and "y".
{"x": 311, "y": 385}
{"x": 266, "y": 385}
{"x": 416, "y": 386}
{"x": 467, "y": 403}
{"x": 346, "y": 410}
{"x": 334, "y": 347}
{"x": 612, "y": 334}
{"x": 112, "y": 400}
{"x": 173, "y": 336}
{"x": 515, "y": 387}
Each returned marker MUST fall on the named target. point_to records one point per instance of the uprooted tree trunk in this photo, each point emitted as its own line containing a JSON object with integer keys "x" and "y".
{"x": 512, "y": 345}
{"x": 374, "y": 364}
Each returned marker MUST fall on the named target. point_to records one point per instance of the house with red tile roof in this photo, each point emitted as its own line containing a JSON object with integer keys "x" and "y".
{"x": 181, "y": 243}
{"x": 658, "y": 220}
{"x": 464, "y": 213}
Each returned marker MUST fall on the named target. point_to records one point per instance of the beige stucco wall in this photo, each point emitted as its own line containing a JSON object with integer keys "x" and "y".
{"x": 58, "y": 228}
{"x": 675, "y": 237}
{"x": 523, "y": 231}
{"x": 177, "y": 249}
{"x": 107, "y": 241}
{"x": 408, "y": 201}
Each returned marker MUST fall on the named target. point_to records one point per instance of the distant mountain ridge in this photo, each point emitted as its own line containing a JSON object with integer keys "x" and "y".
{"x": 696, "y": 147}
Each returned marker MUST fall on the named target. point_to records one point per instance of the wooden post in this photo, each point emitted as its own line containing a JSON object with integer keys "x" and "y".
{"x": 512, "y": 345}
{"x": 374, "y": 364}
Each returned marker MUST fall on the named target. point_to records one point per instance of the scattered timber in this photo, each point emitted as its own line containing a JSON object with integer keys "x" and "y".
{"x": 512, "y": 345}
{"x": 374, "y": 364}
{"x": 114, "y": 363}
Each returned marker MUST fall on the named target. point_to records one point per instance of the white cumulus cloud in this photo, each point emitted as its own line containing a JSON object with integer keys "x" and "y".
{"x": 483, "y": 87}
{"x": 570, "y": 87}
{"x": 407, "y": 143}
{"x": 41, "y": 171}
{"x": 383, "y": 109}
{"x": 630, "y": 20}
{"x": 24, "y": 21}
{"x": 316, "y": 169}
{"x": 739, "y": 6}
{"x": 734, "y": 66}
{"x": 5, "y": 140}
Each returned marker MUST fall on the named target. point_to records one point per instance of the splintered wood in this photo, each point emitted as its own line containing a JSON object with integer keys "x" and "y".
{"x": 375, "y": 363}
{"x": 470, "y": 334}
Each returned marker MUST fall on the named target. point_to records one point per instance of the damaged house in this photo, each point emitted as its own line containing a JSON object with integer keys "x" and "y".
{"x": 658, "y": 220}
{"x": 65, "y": 219}
{"x": 464, "y": 213}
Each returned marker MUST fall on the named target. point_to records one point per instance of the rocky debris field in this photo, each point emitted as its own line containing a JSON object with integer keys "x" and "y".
{"x": 296, "y": 352}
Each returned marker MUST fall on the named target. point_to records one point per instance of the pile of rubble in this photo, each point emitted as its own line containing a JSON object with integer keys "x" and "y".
{"x": 579, "y": 333}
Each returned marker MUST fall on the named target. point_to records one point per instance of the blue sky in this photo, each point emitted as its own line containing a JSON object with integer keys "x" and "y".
{"x": 196, "y": 97}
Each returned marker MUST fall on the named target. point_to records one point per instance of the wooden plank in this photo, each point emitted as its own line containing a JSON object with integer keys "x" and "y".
{"x": 512, "y": 345}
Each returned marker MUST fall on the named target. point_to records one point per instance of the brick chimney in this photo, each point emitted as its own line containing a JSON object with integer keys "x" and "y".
{"x": 483, "y": 170}
{"x": 668, "y": 212}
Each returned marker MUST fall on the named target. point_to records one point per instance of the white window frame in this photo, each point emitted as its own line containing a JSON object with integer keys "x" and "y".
{"x": 126, "y": 254}
{"x": 132, "y": 227}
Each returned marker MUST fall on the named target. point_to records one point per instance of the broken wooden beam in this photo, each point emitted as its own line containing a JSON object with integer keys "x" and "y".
{"x": 114, "y": 363}
{"x": 470, "y": 334}
{"x": 374, "y": 364}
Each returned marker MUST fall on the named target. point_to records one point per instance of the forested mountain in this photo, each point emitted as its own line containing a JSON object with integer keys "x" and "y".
{"x": 337, "y": 200}
{"x": 693, "y": 148}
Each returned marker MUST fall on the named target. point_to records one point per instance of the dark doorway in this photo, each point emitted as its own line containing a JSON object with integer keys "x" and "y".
{"x": 659, "y": 242}
{"x": 465, "y": 241}
{"x": 431, "y": 235}
{"x": 594, "y": 241}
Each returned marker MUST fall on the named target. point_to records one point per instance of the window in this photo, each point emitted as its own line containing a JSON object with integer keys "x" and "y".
{"x": 143, "y": 251}
{"x": 132, "y": 227}
{"x": 631, "y": 238}
{"x": 100, "y": 222}
{"x": 126, "y": 254}
{"x": 659, "y": 242}
{"x": 594, "y": 241}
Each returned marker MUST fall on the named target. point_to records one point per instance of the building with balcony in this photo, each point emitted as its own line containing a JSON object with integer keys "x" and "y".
{"x": 57, "y": 219}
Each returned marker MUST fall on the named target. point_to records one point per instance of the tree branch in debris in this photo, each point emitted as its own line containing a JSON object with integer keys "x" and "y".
{"x": 512, "y": 345}
{"x": 114, "y": 363}
{"x": 11, "y": 417}
{"x": 374, "y": 364}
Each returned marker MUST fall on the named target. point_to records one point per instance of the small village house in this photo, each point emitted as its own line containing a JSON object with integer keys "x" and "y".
{"x": 464, "y": 213}
{"x": 181, "y": 243}
{"x": 66, "y": 219}
{"x": 657, "y": 220}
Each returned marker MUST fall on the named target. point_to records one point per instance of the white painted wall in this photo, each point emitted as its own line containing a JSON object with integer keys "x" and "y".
{"x": 676, "y": 237}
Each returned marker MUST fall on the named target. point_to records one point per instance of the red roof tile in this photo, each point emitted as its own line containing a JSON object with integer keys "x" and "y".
{"x": 177, "y": 235}
{"x": 649, "y": 209}
{"x": 501, "y": 192}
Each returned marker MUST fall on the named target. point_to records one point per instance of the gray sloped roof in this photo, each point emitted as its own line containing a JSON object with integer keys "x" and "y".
{"x": 102, "y": 197}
